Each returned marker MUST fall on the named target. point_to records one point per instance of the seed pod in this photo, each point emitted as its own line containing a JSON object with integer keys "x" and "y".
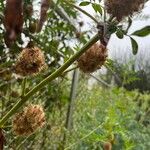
{"x": 107, "y": 146}
{"x": 29, "y": 120}
{"x": 32, "y": 27}
{"x": 31, "y": 61}
{"x": 43, "y": 14}
{"x": 123, "y": 8}
{"x": 13, "y": 20}
{"x": 93, "y": 58}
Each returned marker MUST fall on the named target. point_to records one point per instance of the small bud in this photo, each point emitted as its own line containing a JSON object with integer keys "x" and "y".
{"x": 78, "y": 35}
{"x": 14, "y": 94}
{"x": 29, "y": 120}
{"x": 81, "y": 23}
{"x": 31, "y": 61}
{"x": 93, "y": 58}
{"x": 32, "y": 27}
{"x": 107, "y": 146}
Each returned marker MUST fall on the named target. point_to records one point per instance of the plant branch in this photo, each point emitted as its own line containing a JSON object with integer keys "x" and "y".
{"x": 81, "y": 10}
{"x": 101, "y": 81}
{"x": 60, "y": 11}
{"x": 48, "y": 79}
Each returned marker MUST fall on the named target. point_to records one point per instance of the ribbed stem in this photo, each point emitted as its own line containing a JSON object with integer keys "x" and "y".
{"x": 48, "y": 79}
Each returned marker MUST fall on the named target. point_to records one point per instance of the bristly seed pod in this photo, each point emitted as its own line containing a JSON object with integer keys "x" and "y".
{"x": 93, "y": 58}
{"x": 31, "y": 61}
{"x": 13, "y": 20}
{"x": 43, "y": 14}
{"x": 123, "y": 8}
{"x": 29, "y": 120}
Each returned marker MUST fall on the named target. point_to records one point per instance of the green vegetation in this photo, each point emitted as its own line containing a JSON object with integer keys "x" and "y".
{"x": 48, "y": 91}
{"x": 100, "y": 115}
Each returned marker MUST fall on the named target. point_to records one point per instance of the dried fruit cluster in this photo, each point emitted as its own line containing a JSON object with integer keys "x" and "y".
{"x": 30, "y": 61}
{"x": 29, "y": 120}
{"x": 123, "y": 8}
{"x": 93, "y": 58}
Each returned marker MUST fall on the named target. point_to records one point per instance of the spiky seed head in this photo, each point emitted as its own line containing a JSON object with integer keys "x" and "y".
{"x": 93, "y": 58}
{"x": 123, "y": 8}
{"x": 30, "y": 61}
{"x": 29, "y": 120}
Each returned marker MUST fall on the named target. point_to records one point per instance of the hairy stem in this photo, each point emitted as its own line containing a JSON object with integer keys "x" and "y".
{"x": 48, "y": 79}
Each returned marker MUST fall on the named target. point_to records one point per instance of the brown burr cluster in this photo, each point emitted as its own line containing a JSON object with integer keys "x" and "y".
{"x": 123, "y": 8}
{"x": 30, "y": 61}
{"x": 29, "y": 120}
{"x": 93, "y": 58}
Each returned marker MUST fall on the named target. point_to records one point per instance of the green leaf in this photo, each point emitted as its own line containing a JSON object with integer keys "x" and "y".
{"x": 120, "y": 33}
{"x": 134, "y": 46}
{"x": 85, "y": 3}
{"x": 142, "y": 32}
{"x": 97, "y": 8}
{"x": 112, "y": 29}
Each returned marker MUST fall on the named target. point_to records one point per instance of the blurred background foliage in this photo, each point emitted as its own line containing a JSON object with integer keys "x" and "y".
{"x": 118, "y": 113}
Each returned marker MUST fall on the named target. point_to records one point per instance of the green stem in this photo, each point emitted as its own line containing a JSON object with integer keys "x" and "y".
{"x": 69, "y": 70}
{"x": 19, "y": 146}
{"x": 23, "y": 86}
{"x": 81, "y": 10}
{"x": 83, "y": 138}
{"x": 48, "y": 79}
